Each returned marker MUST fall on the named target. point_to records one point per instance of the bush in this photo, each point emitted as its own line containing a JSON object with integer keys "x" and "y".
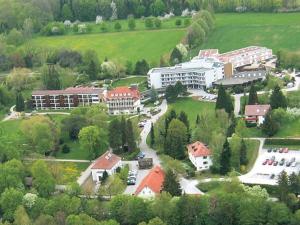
{"x": 149, "y": 23}
{"x": 178, "y": 22}
{"x": 157, "y": 23}
{"x": 285, "y": 141}
{"x": 65, "y": 149}
{"x": 55, "y": 28}
{"x": 118, "y": 26}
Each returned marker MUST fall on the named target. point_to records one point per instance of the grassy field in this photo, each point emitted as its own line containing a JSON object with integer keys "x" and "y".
{"x": 140, "y": 80}
{"x": 252, "y": 152}
{"x": 276, "y": 31}
{"x": 120, "y": 46}
{"x": 192, "y": 108}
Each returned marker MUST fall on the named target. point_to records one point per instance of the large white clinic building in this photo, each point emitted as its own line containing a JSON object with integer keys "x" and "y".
{"x": 198, "y": 73}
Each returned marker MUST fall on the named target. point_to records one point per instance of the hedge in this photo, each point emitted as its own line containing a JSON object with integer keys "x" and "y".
{"x": 285, "y": 141}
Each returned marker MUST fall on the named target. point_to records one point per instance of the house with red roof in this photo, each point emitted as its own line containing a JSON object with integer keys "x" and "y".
{"x": 123, "y": 100}
{"x": 152, "y": 184}
{"x": 108, "y": 162}
{"x": 200, "y": 155}
{"x": 256, "y": 113}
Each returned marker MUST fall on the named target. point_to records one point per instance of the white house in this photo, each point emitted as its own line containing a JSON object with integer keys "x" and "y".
{"x": 256, "y": 113}
{"x": 200, "y": 155}
{"x": 151, "y": 185}
{"x": 198, "y": 73}
{"x": 108, "y": 162}
{"x": 123, "y": 100}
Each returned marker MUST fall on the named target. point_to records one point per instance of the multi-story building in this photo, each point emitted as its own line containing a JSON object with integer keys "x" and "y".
{"x": 240, "y": 57}
{"x": 123, "y": 100}
{"x": 199, "y": 155}
{"x": 66, "y": 99}
{"x": 196, "y": 74}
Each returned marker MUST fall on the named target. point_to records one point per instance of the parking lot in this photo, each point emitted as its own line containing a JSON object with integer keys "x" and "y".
{"x": 270, "y": 164}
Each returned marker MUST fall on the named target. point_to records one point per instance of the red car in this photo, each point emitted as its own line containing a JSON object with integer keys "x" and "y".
{"x": 285, "y": 150}
{"x": 265, "y": 162}
{"x": 270, "y": 162}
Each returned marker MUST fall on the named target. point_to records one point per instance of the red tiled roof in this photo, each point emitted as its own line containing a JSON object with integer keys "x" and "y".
{"x": 256, "y": 110}
{"x": 198, "y": 149}
{"x": 208, "y": 52}
{"x": 70, "y": 91}
{"x": 106, "y": 161}
{"x": 154, "y": 180}
{"x": 121, "y": 92}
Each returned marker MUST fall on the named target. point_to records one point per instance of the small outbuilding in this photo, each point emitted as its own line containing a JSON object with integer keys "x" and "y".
{"x": 199, "y": 155}
{"x": 108, "y": 162}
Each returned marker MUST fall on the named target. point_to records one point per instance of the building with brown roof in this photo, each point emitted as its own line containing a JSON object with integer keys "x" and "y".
{"x": 152, "y": 184}
{"x": 108, "y": 162}
{"x": 256, "y": 113}
{"x": 66, "y": 99}
{"x": 199, "y": 155}
{"x": 123, "y": 100}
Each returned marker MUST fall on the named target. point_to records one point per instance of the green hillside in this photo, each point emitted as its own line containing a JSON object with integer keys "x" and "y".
{"x": 276, "y": 31}
{"x": 119, "y": 46}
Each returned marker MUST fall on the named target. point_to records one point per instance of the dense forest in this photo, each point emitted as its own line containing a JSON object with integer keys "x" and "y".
{"x": 14, "y": 13}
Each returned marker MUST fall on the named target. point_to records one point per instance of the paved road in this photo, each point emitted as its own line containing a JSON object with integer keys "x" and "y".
{"x": 149, "y": 152}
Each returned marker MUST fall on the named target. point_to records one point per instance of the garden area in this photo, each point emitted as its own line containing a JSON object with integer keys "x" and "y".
{"x": 141, "y": 81}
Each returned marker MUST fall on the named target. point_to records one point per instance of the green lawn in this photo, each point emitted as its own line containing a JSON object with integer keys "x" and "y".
{"x": 290, "y": 129}
{"x": 276, "y": 31}
{"x": 120, "y": 46}
{"x": 252, "y": 152}
{"x": 192, "y": 107}
{"x": 140, "y": 80}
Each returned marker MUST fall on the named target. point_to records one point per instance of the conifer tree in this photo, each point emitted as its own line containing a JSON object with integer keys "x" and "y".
{"x": 130, "y": 136}
{"x": 283, "y": 186}
{"x": 92, "y": 70}
{"x": 152, "y": 136}
{"x": 123, "y": 130}
{"x": 115, "y": 135}
{"x": 277, "y": 99}
{"x": 171, "y": 184}
{"x": 20, "y": 105}
{"x": 269, "y": 127}
{"x": 198, "y": 119}
{"x": 224, "y": 101}
{"x": 243, "y": 153}
{"x": 225, "y": 159}
{"x": 253, "y": 99}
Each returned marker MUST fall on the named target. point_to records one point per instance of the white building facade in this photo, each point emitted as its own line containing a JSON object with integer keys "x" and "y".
{"x": 200, "y": 156}
{"x": 198, "y": 73}
{"x": 123, "y": 100}
{"x": 108, "y": 162}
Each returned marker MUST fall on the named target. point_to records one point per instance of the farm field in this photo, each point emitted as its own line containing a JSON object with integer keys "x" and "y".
{"x": 276, "y": 31}
{"x": 119, "y": 46}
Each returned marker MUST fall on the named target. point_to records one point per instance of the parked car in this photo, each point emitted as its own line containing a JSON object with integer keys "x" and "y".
{"x": 281, "y": 150}
{"x": 269, "y": 149}
{"x": 272, "y": 176}
{"x": 131, "y": 181}
{"x": 293, "y": 159}
{"x": 265, "y": 162}
{"x": 141, "y": 155}
{"x": 132, "y": 173}
{"x": 285, "y": 150}
{"x": 288, "y": 164}
{"x": 294, "y": 164}
{"x": 270, "y": 162}
{"x": 275, "y": 149}
{"x": 281, "y": 163}
{"x": 275, "y": 163}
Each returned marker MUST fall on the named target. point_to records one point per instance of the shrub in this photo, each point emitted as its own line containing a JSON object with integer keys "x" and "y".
{"x": 149, "y": 23}
{"x": 279, "y": 141}
{"x": 55, "y": 28}
{"x": 157, "y": 23}
{"x": 65, "y": 149}
{"x": 117, "y": 26}
{"x": 178, "y": 22}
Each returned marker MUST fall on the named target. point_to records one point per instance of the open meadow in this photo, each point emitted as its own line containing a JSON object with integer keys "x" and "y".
{"x": 119, "y": 46}
{"x": 276, "y": 31}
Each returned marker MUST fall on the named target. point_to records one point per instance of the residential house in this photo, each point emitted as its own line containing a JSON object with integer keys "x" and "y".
{"x": 200, "y": 155}
{"x": 256, "y": 113}
{"x": 152, "y": 184}
{"x": 108, "y": 162}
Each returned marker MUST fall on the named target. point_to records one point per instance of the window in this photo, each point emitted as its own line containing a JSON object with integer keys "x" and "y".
{"x": 205, "y": 162}
{"x": 204, "y": 157}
